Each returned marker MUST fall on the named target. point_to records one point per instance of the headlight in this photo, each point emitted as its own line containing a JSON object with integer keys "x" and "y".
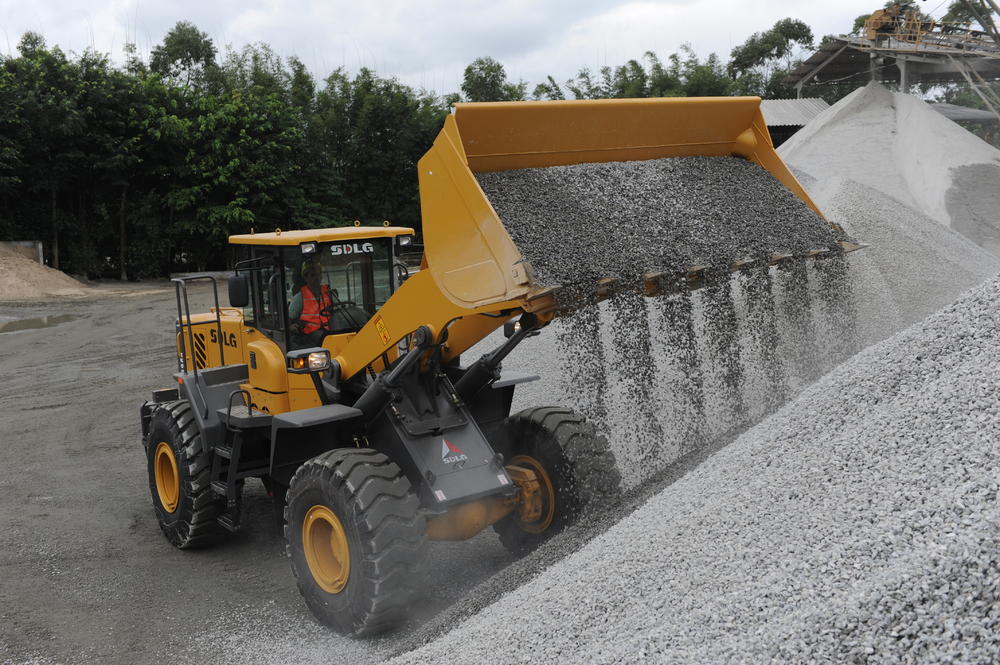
{"x": 308, "y": 248}
{"x": 405, "y": 240}
{"x": 319, "y": 361}
{"x": 305, "y": 361}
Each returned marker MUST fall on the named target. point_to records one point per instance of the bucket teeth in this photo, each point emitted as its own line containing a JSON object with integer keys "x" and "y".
{"x": 850, "y": 246}
{"x": 606, "y": 287}
{"x": 695, "y": 277}
{"x": 740, "y": 264}
{"x": 655, "y": 283}
{"x": 659, "y": 282}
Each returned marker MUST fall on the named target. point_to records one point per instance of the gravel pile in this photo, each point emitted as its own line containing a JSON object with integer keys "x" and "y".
{"x": 897, "y": 144}
{"x": 913, "y": 265}
{"x": 577, "y": 224}
{"x": 857, "y": 524}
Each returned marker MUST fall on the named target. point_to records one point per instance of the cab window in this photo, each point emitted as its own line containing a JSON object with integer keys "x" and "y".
{"x": 357, "y": 272}
{"x": 266, "y": 310}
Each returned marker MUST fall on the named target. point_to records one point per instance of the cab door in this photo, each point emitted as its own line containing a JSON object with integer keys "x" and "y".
{"x": 266, "y": 329}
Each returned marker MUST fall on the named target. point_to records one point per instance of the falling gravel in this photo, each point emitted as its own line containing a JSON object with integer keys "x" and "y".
{"x": 725, "y": 370}
{"x": 683, "y": 383}
{"x": 837, "y": 309}
{"x": 675, "y": 375}
{"x": 634, "y": 380}
{"x": 858, "y": 524}
{"x": 765, "y": 380}
{"x": 802, "y": 358}
{"x": 581, "y": 358}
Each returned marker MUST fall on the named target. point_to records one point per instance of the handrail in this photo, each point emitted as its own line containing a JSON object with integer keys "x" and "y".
{"x": 184, "y": 320}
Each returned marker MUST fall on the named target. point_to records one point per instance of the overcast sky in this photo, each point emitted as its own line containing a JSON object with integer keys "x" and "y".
{"x": 428, "y": 43}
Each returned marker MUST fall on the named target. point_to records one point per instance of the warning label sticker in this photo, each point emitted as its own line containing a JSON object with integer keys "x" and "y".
{"x": 383, "y": 332}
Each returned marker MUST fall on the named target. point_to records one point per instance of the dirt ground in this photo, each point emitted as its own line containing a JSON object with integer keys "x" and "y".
{"x": 85, "y": 574}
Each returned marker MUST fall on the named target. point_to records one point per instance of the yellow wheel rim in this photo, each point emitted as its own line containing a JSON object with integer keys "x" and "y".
{"x": 327, "y": 553}
{"x": 168, "y": 480}
{"x": 548, "y": 494}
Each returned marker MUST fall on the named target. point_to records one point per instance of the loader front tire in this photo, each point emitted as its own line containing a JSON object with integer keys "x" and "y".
{"x": 179, "y": 470}
{"x": 573, "y": 462}
{"x": 356, "y": 540}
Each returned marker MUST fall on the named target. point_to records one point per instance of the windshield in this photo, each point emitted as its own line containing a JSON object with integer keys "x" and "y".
{"x": 358, "y": 271}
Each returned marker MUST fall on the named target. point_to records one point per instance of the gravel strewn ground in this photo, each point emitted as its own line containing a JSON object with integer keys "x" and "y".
{"x": 583, "y": 222}
{"x": 857, "y": 524}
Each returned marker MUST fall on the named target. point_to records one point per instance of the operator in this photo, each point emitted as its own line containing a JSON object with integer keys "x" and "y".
{"x": 309, "y": 309}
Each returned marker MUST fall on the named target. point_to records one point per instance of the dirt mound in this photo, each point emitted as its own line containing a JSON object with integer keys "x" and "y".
{"x": 897, "y": 144}
{"x": 24, "y": 279}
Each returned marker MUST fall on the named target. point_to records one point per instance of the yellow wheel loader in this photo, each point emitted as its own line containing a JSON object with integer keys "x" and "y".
{"x": 335, "y": 374}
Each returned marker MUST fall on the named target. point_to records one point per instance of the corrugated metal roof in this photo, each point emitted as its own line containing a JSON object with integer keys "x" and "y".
{"x": 955, "y": 112}
{"x": 783, "y": 112}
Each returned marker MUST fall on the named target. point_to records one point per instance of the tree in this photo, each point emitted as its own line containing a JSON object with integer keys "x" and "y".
{"x": 186, "y": 55}
{"x": 50, "y": 86}
{"x": 686, "y": 75}
{"x": 485, "y": 80}
{"x": 701, "y": 79}
{"x": 548, "y": 90}
{"x": 376, "y": 129}
{"x": 760, "y": 64}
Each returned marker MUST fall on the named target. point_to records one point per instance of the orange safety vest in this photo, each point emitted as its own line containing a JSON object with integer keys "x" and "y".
{"x": 311, "y": 318}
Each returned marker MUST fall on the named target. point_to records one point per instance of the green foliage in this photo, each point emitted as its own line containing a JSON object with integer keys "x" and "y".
{"x": 485, "y": 80}
{"x": 764, "y": 48}
{"x": 760, "y": 65}
{"x": 684, "y": 75}
{"x": 135, "y": 171}
{"x": 186, "y": 56}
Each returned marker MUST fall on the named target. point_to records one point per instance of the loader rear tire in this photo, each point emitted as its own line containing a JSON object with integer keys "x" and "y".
{"x": 179, "y": 470}
{"x": 356, "y": 540}
{"x": 576, "y": 466}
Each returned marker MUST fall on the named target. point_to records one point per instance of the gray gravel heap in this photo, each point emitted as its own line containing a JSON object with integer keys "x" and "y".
{"x": 913, "y": 265}
{"x": 579, "y": 223}
{"x": 858, "y": 524}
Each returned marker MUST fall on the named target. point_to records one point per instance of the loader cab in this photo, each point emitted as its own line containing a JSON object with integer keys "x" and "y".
{"x": 354, "y": 269}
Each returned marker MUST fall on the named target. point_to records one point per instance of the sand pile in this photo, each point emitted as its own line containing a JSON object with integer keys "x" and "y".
{"x": 897, "y": 144}
{"x": 24, "y": 279}
{"x": 858, "y": 524}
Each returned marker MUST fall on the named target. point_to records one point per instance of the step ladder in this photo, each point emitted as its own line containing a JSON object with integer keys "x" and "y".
{"x": 227, "y": 468}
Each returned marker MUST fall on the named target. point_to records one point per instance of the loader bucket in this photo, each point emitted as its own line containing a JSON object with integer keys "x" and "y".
{"x": 467, "y": 249}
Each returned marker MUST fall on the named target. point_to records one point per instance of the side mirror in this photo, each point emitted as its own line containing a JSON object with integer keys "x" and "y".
{"x": 239, "y": 291}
